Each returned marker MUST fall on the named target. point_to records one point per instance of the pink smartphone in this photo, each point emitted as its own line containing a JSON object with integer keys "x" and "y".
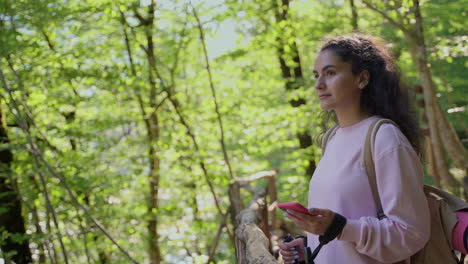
{"x": 295, "y": 207}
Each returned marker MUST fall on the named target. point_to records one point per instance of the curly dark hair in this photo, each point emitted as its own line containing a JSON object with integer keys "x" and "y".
{"x": 384, "y": 94}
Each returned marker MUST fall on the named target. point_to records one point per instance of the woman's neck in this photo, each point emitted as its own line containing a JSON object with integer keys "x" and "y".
{"x": 349, "y": 118}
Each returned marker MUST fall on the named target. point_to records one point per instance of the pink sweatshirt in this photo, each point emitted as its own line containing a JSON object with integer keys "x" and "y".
{"x": 340, "y": 184}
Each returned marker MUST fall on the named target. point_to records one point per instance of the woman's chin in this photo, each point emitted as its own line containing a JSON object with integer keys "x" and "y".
{"x": 326, "y": 107}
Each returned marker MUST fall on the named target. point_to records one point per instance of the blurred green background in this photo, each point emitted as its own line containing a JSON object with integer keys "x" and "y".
{"x": 109, "y": 104}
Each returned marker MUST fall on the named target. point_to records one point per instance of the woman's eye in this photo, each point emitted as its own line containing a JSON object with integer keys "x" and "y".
{"x": 330, "y": 73}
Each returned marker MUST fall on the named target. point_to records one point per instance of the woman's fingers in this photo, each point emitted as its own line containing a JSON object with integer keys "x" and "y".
{"x": 283, "y": 246}
{"x": 292, "y": 215}
{"x": 317, "y": 224}
{"x": 290, "y": 255}
{"x": 287, "y": 258}
{"x": 319, "y": 211}
{"x": 291, "y": 246}
{"x": 291, "y": 251}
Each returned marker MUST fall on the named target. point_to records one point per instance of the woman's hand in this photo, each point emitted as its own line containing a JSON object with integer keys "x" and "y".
{"x": 316, "y": 225}
{"x": 293, "y": 251}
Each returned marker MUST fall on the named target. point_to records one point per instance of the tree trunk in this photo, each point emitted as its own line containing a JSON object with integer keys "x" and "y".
{"x": 153, "y": 137}
{"x": 11, "y": 219}
{"x": 419, "y": 54}
{"x": 452, "y": 143}
{"x": 437, "y": 121}
{"x": 430, "y": 163}
{"x": 292, "y": 74}
{"x": 354, "y": 15}
{"x": 152, "y": 127}
{"x": 151, "y": 121}
{"x": 418, "y": 51}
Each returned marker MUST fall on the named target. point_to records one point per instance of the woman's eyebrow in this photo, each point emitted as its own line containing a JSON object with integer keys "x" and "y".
{"x": 326, "y": 67}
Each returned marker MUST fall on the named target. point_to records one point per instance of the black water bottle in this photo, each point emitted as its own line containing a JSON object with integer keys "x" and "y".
{"x": 288, "y": 238}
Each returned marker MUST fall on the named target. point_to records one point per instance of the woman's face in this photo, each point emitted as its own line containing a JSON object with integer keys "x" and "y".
{"x": 336, "y": 86}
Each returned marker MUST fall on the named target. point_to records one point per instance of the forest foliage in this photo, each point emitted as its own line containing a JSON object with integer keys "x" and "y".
{"x": 113, "y": 113}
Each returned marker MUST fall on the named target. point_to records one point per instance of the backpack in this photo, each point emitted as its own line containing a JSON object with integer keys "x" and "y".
{"x": 443, "y": 207}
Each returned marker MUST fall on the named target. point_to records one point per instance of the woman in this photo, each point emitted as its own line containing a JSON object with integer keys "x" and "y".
{"x": 356, "y": 78}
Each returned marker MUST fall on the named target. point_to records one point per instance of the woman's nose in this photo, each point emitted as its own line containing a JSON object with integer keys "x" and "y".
{"x": 319, "y": 84}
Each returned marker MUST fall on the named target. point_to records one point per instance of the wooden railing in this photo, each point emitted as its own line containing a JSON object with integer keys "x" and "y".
{"x": 256, "y": 222}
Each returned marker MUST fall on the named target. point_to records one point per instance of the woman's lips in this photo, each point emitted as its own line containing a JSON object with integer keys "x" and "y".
{"x": 323, "y": 96}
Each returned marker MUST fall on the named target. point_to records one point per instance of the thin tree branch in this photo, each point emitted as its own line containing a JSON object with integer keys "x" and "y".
{"x": 213, "y": 92}
{"x": 234, "y": 189}
{"x": 189, "y": 132}
{"x": 53, "y": 253}
{"x": 217, "y": 237}
{"x": 180, "y": 46}
{"x": 127, "y": 42}
{"x": 48, "y": 40}
{"x": 386, "y": 16}
{"x": 38, "y": 226}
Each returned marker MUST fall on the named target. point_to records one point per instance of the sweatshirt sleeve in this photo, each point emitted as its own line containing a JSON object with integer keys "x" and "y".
{"x": 406, "y": 228}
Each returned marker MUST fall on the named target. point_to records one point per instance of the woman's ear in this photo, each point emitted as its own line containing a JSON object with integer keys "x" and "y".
{"x": 363, "y": 79}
